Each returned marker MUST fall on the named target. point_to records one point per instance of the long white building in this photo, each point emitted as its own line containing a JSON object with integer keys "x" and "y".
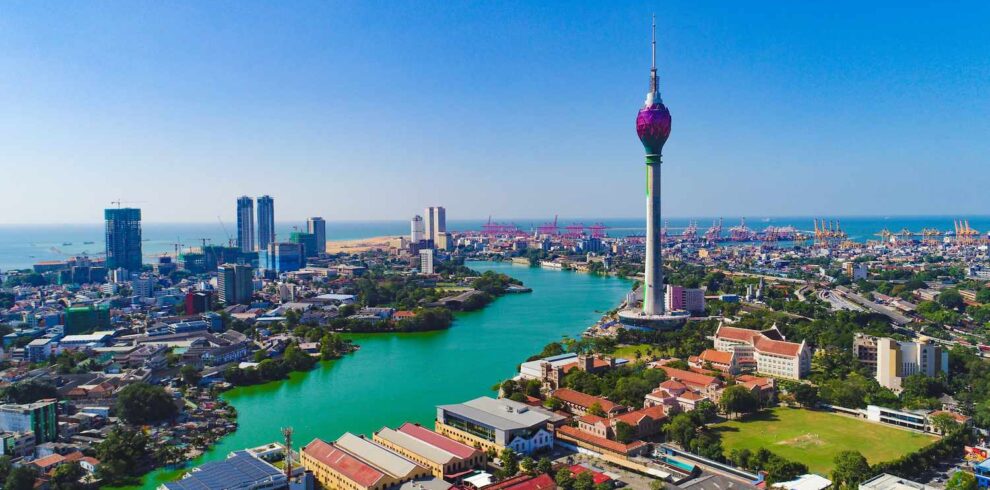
{"x": 766, "y": 352}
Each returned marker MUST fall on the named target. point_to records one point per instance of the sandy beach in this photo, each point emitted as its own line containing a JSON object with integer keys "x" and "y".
{"x": 361, "y": 245}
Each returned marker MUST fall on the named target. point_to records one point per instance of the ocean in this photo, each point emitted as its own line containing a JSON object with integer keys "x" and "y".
{"x": 24, "y": 245}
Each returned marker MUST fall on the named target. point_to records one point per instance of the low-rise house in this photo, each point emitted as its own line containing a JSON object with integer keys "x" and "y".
{"x": 579, "y": 403}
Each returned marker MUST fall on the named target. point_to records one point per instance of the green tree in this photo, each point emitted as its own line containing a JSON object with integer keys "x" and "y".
{"x": 141, "y": 403}
{"x": 528, "y": 465}
{"x": 67, "y": 476}
{"x": 944, "y": 423}
{"x": 544, "y": 465}
{"x": 983, "y": 295}
{"x": 123, "y": 454}
{"x": 737, "y": 399}
{"x": 509, "y": 463}
{"x": 951, "y": 299}
{"x": 681, "y": 429}
{"x": 961, "y": 480}
{"x": 658, "y": 485}
{"x": 849, "y": 469}
{"x": 624, "y": 432}
{"x": 29, "y": 391}
{"x": 21, "y": 478}
{"x": 806, "y": 395}
{"x": 596, "y": 409}
{"x": 564, "y": 479}
{"x": 190, "y": 375}
{"x": 553, "y": 403}
{"x": 584, "y": 481}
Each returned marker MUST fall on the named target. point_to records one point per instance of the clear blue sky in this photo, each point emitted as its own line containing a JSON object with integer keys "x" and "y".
{"x": 373, "y": 110}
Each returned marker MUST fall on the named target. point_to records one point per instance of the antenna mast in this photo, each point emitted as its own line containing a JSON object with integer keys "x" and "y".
{"x": 287, "y": 434}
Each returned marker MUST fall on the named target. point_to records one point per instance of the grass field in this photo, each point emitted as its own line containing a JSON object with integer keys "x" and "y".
{"x": 629, "y": 351}
{"x": 814, "y": 438}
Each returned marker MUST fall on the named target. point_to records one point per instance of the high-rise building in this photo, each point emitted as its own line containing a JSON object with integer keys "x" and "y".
{"x": 235, "y": 283}
{"x": 426, "y": 261}
{"x": 245, "y": 224}
{"x": 123, "y": 238}
{"x": 266, "y": 222}
{"x": 897, "y": 360}
{"x": 285, "y": 256}
{"x": 308, "y": 242}
{"x": 417, "y": 229}
{"x": 436, "y": 222}
{"x": 80, "y": 319}
{"x": 318, "y": 227}
{"x": 39, "y": 417}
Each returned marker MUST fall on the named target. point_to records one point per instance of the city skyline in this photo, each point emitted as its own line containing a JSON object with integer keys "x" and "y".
{"x": 860, "y": 109}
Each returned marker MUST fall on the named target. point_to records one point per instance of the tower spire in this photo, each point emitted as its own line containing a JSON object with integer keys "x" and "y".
{"x": 653, "y": 66}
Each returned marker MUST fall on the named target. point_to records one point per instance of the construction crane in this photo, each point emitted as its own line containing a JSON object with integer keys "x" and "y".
{"x": 118, "y": 202}
{"x": 230, "y": 239}
{"x": 931, "y": 236}
{"x": 714, "y": 234}
{"x": 203, "y": 240}
{"x": 178, "y": 246}
{"x": 965, "y": 235}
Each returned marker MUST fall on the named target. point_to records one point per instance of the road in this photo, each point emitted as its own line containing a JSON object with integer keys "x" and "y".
{"x": 894, "y": 315}
{"x": 837, "y": 301}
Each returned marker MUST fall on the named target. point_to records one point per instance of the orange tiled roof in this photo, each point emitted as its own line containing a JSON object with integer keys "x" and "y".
{"x": 342, "y": 462}
{"x": 716, "y": 357}
{"x": 634, "y": 418}
{"x": 585, "y": 400}
{"x": 689, "y": 377}
{"x": 601, "y": 442}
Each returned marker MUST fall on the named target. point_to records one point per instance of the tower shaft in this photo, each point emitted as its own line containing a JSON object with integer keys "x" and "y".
{"x": 653, "y": 292}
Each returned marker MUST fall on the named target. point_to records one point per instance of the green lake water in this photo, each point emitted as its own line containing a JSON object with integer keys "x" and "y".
{"x": 396, "y": 378}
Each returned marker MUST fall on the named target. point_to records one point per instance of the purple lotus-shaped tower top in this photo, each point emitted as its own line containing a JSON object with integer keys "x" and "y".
{"x": 653, "y": 127}
{"x": 653, "y": 120}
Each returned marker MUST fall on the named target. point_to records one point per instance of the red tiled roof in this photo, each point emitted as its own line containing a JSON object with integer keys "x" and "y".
{"x": 47, "y": 461}
{"x": 779, "y": 347}
{"x": 739, "y": 334}
{"x": 750, "y": 380}
{"x": 716, "y": 357}
{"x": 960, "y": 418}
{"x": 592, "y": 419}
{"x": 634, "y": 418}
{"x": 758, "y": 340}
{"x": 689, "y": 377}
{"x": 585, "y": 400}
{"x": 462, "y": 451}
{"x": 601, "y": 442}
{"x": 342, "y": 462}
{"x": 673, "y": 385}
{"x": 525, "y": 482}
{"x": 596, "y": 476}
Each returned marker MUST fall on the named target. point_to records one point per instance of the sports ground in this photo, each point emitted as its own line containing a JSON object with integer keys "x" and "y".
{"x": 814, "y": 438}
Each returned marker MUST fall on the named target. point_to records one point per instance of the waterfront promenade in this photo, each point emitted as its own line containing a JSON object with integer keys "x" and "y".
{"x": 395, "y": 378}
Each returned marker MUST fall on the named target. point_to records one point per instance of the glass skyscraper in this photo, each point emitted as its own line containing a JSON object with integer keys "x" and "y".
{"x": 123, "y": 238}
{"x": 245, "y": 224}
{"x": 266, "y": 222}
{"x": 318, "y": 227}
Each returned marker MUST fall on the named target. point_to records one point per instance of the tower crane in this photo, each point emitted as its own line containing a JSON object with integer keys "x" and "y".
{"x": 230, "y": 239}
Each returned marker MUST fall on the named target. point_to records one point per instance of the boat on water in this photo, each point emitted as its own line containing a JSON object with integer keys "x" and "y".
{"x": 88, "y": 243}
{"x": 66, "y": 244}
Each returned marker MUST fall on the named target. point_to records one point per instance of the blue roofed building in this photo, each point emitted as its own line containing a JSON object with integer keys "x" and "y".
{"x": 982, "y": 472}
{"x": 240, "y": 471}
